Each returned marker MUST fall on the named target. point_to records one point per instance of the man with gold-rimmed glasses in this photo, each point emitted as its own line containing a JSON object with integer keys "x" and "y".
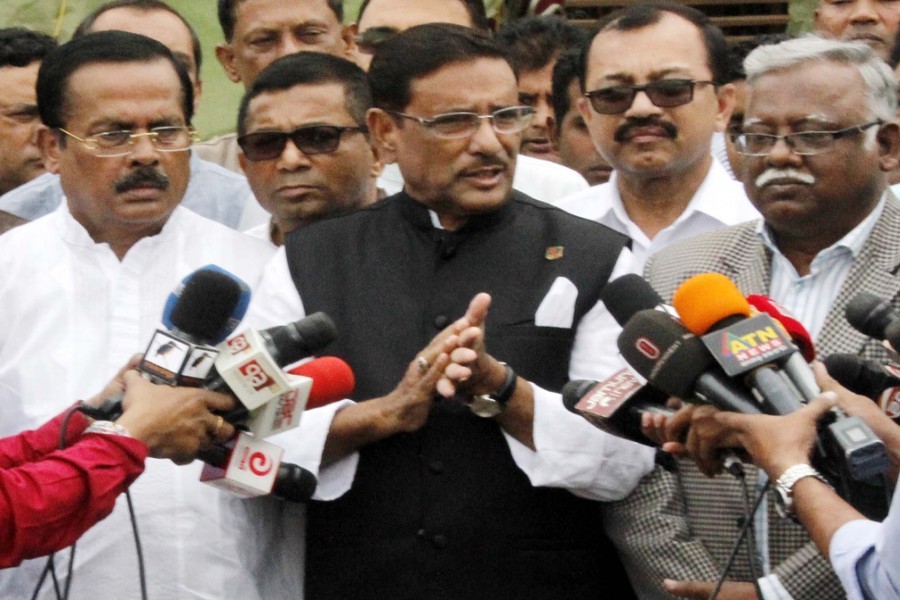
{"x": 83, "y": 288}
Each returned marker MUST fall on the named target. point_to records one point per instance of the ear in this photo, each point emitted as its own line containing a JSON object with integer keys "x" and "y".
{"x": 49, "y": 145}
{"x": 584, "y": 107}
{"x": 888, "y": 137}
{"x": 377, "y": 162}
{"x": 383, "y": 129}
{"x": 242, "y": 160}
{"x": 725, "y": 99}
{"x": 348, "y": 34}
{"x": 198, "y": 91}
{"x": 225, "y": 56}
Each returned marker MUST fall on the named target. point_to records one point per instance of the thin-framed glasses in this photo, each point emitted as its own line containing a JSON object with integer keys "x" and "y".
{"x": 804, "y": 143}
{"x": 309, "y": 139}
{"x": 109, "y": 144}
{"x": 665, "y": 93}
{"x": 463, "y": 124}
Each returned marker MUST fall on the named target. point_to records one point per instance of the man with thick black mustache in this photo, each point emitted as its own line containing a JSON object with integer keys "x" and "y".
{"x": 83, "y": 289}
{"x": 438, "y": 482}
{"x": 651, "y": 111}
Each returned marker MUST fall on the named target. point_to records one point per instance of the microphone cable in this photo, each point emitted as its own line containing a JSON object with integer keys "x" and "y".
{"x": 50, "y": 565}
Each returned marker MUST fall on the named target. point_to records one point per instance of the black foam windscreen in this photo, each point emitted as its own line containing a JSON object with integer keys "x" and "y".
{"x": 870, "y": 315}
{"x": 860, "y": 376}
{"x": 297, "y": 340}
{"x": 627, "y": 295}
{"x": 574, "y": 391}
{"x": 207, "y": 302}
{"x": 668, "y": 356}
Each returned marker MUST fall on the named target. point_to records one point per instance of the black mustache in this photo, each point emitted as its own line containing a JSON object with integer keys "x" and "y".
{"x": 625, "y": 128}
{"x": 140, "y": 177}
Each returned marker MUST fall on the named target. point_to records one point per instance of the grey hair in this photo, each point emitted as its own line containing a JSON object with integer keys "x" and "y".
{"x": 880, "y": 82}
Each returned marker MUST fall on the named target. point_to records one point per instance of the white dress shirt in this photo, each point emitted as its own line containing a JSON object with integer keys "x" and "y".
{"x": 543, "y": 180}
{"x": 719, "y": 202}
{"x": 72, "y": 316}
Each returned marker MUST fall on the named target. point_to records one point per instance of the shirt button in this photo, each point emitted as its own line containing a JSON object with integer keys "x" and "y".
{"x": 441, "y": 321}
{"x": 436, "y": 467}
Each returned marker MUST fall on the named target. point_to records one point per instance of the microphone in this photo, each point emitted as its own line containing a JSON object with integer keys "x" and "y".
{"x": 250, "y": 467}
{"x": 615, "y": 404}
{"x": 711, "y": 306}
{"x": 676, "y": 362}
{"x": 875, "y": 317}
{"x": 796, "y": 365}
{"x": 204, "y": 307}
{"x": 315, "y": 383}
{"x": 628, "y": 294}
{"x": 868, "y": 378}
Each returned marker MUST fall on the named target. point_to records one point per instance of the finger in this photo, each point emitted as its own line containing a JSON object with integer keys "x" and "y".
{"x": 217, "y": 401}
{"x": 463, "y": 355}
{"x": 676, "y": 448}
{"x": 678, "y": 425}
{"x": 688, "y": 589}
{"x": 478, "y": 309}
{"x": 457, "y": 373}
{"x": 134, "y": 379}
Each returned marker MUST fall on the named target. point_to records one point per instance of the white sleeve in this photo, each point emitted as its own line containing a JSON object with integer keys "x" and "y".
{"x": 277, "y": 302}
{"x": 570, "y": 452}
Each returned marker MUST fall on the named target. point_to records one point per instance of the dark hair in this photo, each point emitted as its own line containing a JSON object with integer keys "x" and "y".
{"x": 87, "y": 24}
{"x": 420, "y": 51}
{"x": 311, "y": 68}
{"x": 738, "y": 51}
{"x": 100, "y": 47}
{"x": 228, "y": 14}
{"x": 638, "y": 16}
{"x": 19, "y": 47}
{"x": 475, "y": 8}
{"x": 565, "y": 71}
{"x": 534, "y": 42}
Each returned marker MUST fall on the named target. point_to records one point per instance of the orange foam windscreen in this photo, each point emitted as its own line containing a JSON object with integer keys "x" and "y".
{"x": 705, "y": 299}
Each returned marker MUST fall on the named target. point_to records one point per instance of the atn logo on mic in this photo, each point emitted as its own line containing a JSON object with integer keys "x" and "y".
{"x": 647, "y": 348}
{"x": 255, "y": 375}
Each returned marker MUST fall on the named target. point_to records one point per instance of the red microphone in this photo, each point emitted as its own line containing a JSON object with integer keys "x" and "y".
{"x": 332, "y": 380}
{"x": 799, "y": 335}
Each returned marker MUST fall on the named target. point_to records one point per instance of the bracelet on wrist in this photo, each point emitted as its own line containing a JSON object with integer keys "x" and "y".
{"x": 107, "y": 428}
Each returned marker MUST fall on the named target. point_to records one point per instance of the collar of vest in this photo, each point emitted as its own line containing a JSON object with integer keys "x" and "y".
{"x": 416, "y": 213}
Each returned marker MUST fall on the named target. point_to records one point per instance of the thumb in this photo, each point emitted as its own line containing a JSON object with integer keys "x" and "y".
{"x": 821, "y": 404}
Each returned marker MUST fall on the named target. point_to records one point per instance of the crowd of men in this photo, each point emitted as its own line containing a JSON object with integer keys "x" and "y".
{"x": 457, "y": 202}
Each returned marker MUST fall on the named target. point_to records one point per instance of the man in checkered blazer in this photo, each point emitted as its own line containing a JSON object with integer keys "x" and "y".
{"x": 818, "y": 138}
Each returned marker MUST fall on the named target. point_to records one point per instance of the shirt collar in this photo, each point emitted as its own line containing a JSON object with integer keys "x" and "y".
{"x": 74, "y": 232}
{"x": 853, "y": 241}
{"x": 424, "y": 218}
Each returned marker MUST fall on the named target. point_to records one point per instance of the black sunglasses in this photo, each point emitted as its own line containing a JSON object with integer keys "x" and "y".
{"x": 665, "y": 93}
{"x": 310, "y": 139}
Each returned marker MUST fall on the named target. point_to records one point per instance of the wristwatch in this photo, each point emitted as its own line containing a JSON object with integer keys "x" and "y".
{"x": 491, "y": 405}
{"x": 784, "y": 487}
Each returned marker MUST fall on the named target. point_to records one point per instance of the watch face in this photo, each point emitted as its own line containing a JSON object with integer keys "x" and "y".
{"x": 485, "y": 406}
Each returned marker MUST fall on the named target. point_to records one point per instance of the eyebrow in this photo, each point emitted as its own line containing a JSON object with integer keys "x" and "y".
{"x": 654, "y": 75}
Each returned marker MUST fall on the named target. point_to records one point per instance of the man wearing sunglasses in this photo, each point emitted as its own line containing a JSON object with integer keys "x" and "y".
{"x": 439, "y": 481}
{"x": 304, "y": 142}
{"x": 651, "y": 112}
{"x": 817, "y": 139}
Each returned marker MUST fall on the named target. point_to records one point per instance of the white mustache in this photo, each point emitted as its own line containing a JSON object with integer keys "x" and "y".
{"x": 770, "y": 175}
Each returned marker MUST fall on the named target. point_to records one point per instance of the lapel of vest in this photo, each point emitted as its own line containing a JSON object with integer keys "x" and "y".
{"x": 747, "y": 262}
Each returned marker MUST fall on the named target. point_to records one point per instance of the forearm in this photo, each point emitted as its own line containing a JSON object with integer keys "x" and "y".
{"x": 33, "y": 445}
{"x": 821, "y": 511}
{"x": 48, "y": 504}
{"x": 357, "y": 426}
{"x": 517, "y": 419}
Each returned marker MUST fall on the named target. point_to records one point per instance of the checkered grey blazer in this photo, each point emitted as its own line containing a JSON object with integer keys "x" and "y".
{"x": 683, "y": 527}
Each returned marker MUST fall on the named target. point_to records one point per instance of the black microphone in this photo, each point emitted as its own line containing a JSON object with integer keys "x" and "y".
{"x": 615, "y": 404}
{"x": 626, "y": 295}
{"x": 676, "y": 362}
{"x": 874, "y": 317}
{"x": 868, "y": 378}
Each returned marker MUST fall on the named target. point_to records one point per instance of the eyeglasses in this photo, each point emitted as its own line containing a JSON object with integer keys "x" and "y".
{"x": 464, "y": 124}
{"x": 665, "y": 93}
{"x": 310, "y": 139}
{"x": 121, "y": 143}
{"x": 369, "y": 40}
{"x": 804, "y": 143}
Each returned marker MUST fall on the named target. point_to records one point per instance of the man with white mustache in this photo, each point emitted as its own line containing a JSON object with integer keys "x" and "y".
{"x": 817, "y": 141}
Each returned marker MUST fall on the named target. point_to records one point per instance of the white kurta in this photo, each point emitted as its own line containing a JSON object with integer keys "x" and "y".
{"x": 72, "y": 316}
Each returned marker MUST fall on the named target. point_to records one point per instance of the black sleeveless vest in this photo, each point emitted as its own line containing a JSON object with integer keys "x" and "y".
{"x": 444, "y": 512}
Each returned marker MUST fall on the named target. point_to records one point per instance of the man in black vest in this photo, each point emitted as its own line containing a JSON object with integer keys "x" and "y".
{"x": 434, "y": 496}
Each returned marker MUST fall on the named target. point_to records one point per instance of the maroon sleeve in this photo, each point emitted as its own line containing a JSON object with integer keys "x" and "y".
{"x": 47, "y": 504}
{"x": 29, "y": 446}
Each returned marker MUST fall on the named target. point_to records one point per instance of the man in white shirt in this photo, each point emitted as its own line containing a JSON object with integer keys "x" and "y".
{"x": 651, "y": 112}
{"x": 84, "y": 288}
{"x": 213, "y": 191}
